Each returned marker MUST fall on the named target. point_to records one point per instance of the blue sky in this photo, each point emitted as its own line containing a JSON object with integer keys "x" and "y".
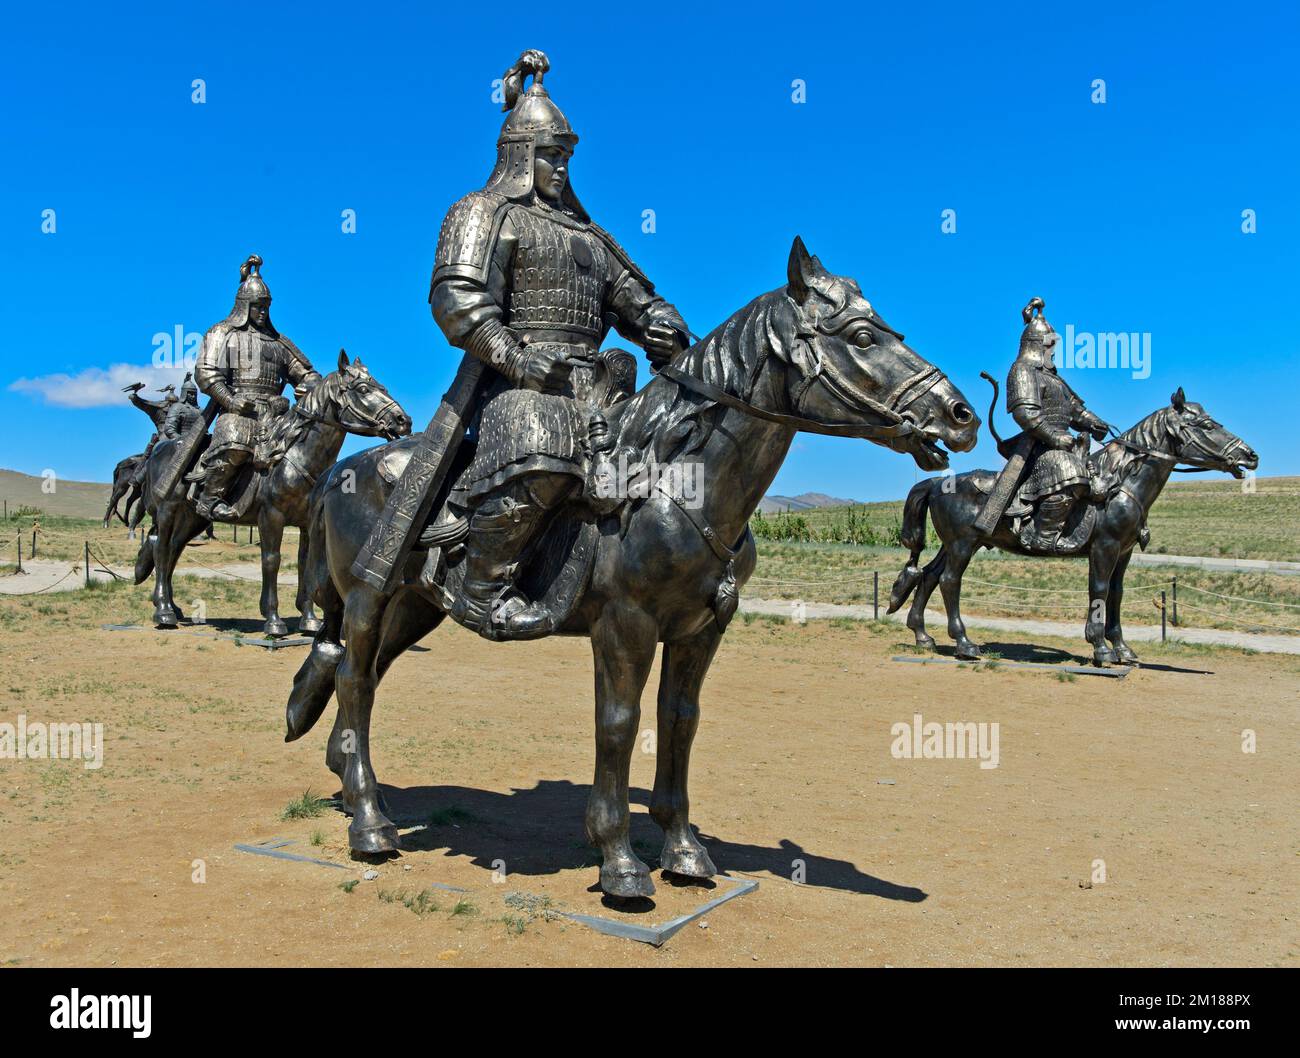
{"x": 1125, "y": 216}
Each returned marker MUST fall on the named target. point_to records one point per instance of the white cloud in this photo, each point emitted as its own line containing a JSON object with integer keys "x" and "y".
{"x": 98, "y": 387}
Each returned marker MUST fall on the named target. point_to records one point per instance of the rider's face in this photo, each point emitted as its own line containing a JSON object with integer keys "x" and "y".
{"x": 551, "y": 172}
{"x": 259, "y": 313}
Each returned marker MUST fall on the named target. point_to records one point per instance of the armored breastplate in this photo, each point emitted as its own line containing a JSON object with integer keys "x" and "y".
{"x": 558, "y": 277}
{"x": 258, "y": 364}
{"x": 1054, "y": 399}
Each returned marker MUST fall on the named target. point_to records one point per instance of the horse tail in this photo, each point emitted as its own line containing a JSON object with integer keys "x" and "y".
{"x": 912, "y": 537}
{"x": 313, "y": 686}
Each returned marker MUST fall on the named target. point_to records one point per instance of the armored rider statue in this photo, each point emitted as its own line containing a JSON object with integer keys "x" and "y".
{"x": 1046, "y": 408}
{"x": 526, "y": 282}
{"x": 157, "y": 412}
{"x": 183, "y": 412}
{"x": 243, "y": 366}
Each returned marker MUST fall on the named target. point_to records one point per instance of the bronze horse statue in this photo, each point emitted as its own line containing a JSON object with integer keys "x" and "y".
{"x": 123, "y": 487}
{"x": 1132, "y": 470}
{"x": 810, "y": 355}
{"x": 349, "y": 400}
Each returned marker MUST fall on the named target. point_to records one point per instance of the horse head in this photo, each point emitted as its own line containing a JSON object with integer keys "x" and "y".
{"x": 1197, "y": 440}
{"x": 846, "y": 360}
{"x": 353, "y": 400}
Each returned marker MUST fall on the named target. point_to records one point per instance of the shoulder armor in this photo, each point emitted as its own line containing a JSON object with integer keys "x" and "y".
{"x": 1022, "y": 385}
{"x": 467, "y": 236}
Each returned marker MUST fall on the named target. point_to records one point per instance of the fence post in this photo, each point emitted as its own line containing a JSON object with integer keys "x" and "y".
{"x": 87, "y": 563}
{"x": 234, "y": 534}
{"x": 875, "y": 595}
{"x": 1162, "y": 617}
{"x": 33, "y": 542}
{"x": 1174, "y": 616}
{"x": 20, "y": 552}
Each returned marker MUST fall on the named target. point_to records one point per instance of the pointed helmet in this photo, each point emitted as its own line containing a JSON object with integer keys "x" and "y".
{"x": 252, "y": 287}
{"x": 532, "y": 121}
{"x": 1038, "y": 338}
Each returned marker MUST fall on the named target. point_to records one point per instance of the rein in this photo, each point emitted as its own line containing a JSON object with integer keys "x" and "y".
{"x": 1164, "y": 457}
{"x": 866, "y": 431}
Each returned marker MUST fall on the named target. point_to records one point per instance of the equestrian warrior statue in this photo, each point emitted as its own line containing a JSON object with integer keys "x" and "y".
{"x": 1046, "y": 408}
{"x": 244, "y": 366}
{"x": 183, "y": 412}
{"x": 157, "y": 412}
{"x": 529, "y": 286}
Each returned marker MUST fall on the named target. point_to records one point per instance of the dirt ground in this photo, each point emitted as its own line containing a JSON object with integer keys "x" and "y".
{"x": 903, "y": 862}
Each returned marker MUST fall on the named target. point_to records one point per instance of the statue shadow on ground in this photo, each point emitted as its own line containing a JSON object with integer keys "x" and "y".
{"x": 538, "y": 831}
{"x": 1055, "y": 656}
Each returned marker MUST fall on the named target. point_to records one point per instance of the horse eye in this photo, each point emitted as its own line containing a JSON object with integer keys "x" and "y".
{"x": 863, "y": 339}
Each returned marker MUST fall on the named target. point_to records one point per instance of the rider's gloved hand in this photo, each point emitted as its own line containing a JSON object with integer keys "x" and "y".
{"x": 662, "y": 343}
{"x": 545, "y": 368}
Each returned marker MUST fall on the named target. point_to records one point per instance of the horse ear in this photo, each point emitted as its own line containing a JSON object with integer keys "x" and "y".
{"x": 800, "y": 270}
{"x": 1178, "y": 399}
{"x": 343, "y": 359}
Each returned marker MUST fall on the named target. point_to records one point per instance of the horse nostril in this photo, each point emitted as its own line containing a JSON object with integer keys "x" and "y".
{"x": 961, "y": 413}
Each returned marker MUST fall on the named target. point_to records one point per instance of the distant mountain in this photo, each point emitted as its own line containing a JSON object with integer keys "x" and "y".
{"x": 803, "y": 502}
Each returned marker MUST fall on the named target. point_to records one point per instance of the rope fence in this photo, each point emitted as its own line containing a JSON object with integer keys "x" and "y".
{"x": 1167, "y": 602}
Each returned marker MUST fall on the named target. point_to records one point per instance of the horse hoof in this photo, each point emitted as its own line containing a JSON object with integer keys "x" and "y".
{"x": 925, "y": 642}
{"x": 1125, "y": 656}
{"x": 275, "y": 627}
{"x": 690, "y": 861}
{"x": 373, "y": 841}
{"x": 1104, "y": 656}
{"x": 165, "y": 618}
{"x": 968, "y": 651}
{"x": 310, "y": 625}
{"x": 627, "y": 883}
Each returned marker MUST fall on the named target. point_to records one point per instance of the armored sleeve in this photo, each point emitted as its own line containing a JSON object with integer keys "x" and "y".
{"x": 468, "y": 304}
{"x": 212, "y": 367}
{"x": 632, "y": 298}
{"x": 176, "y": 421}
{"x": 298, "y": 369}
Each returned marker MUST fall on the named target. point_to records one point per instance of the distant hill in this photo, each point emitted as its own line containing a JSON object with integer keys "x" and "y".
{"x": 805, "y": 501}
{"x": 72, "y": 499}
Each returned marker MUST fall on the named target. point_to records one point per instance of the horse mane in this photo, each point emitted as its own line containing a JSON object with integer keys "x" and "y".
{"x": 1114, "y": 460}
{"x": 666, "y": 421}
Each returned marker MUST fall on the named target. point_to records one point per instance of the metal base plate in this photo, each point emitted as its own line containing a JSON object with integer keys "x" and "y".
{"x": 657, "y": 935}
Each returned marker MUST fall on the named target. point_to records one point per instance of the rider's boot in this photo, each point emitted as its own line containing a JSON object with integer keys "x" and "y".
{"x": 216, "y": 482}
{"x": 1044, "y": 533}
{"x": 500, "y": 528}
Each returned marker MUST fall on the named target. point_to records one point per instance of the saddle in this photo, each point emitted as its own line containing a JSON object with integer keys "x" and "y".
{"x": 1079, "y": 527}
{"x": 556, "y": 568}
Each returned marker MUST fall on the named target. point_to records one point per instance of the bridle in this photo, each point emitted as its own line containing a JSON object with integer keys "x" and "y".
{"x": 360, "y": 429}
{"x": 891, "y": 409}
{"x": 1188, "y": 439}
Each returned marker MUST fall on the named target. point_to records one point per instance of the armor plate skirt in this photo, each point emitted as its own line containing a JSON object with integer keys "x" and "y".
{"x": 1054, "y": 470}
{"x": 520, "y": 432}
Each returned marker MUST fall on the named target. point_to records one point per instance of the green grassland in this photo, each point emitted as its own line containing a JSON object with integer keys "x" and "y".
{"x": 1218, "y": 518}
{"x": 801, "y": 557}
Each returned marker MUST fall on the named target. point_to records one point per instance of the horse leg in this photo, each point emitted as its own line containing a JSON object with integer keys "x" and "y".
{"x": 164, "y": 610}
{"x": 684, "y": 667}
{"x": 371, "y": 832}
{"x": 1124, "y": 654}
{"x": 623, "y": 642}
{"x": 270, "y": 530}
{"x": 1101, "y": 564}
{"x": 929, "y": 581}
{"x": 308, "y": 622}
{"x": 959, "y": 556}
